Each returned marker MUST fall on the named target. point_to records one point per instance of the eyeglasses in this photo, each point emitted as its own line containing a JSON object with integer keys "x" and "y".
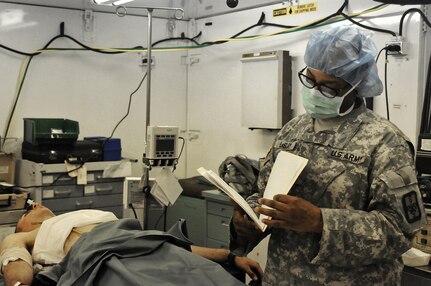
{"x": 310, "y": 83}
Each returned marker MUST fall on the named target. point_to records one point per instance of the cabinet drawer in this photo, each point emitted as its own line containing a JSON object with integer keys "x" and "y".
{"x": 213, "y": 243}
{"x": 220, "y": 209}
{"x": 88, "y": 202}
{"x": 102, "y": 189}
{"x": 218, "y": 227}
{"x": 55, "y": 192}
{"x": 97, "y": 176}
{"x": 57, "y": 179}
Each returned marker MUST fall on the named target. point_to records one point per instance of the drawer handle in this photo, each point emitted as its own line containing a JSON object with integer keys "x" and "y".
{"x": 223, "y": 223}
{"x": 104, "y": 190}
{"x": 62, "y": 194}
{"x": 80, "y": 205}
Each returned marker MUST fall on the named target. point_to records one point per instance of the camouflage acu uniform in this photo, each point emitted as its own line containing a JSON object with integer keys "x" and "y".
{"x": 361, "y": 174}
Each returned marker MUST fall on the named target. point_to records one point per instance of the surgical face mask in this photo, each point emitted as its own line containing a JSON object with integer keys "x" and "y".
{"x": 322, "y": 107}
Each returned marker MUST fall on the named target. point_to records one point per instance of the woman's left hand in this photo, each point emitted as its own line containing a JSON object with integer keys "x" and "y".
{"x": 291, "y": 213}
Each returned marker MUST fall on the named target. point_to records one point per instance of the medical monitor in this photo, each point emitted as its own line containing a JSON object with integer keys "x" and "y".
{"x": 162, "y": 142}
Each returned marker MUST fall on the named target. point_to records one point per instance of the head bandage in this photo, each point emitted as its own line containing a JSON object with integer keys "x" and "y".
{"x": 347, "y": 53}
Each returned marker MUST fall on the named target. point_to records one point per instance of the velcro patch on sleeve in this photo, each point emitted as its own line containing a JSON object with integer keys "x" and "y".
{"x": 397, "y": 179}
{"x": 411, "y": 207}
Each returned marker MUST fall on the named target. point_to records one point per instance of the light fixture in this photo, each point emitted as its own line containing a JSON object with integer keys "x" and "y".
{"x": 405, "y": 2}
{"x": 112, "y": 2}
{"x": 121, "y": 2}
{"x": 100, "y": 1}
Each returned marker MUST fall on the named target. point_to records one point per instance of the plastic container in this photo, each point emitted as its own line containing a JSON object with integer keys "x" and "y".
{"x": 415, "y": 257}
{"x": 50, "y": 131}
{"x": 111, "y": 148}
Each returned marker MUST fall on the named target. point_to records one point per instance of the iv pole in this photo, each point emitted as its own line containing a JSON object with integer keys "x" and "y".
{"x": 121, "y": 11}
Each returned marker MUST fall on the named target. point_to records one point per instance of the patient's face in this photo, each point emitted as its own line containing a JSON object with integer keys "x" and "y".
{"x": 33, "y": 218}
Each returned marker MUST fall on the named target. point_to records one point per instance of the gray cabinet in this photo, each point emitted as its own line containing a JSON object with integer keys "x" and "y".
{"x": 193, "y": 210}
{"x": 207, "y": 218}
{"x": 219, "y": 213}
{"x": 418, "y": 276}
{"x": 52, "y": 187}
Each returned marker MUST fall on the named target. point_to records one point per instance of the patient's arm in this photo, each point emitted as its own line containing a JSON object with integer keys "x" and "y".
{"x": 220, "y": 255}
{"x": 19, "y": 270}
{"x": 214, "y": 254}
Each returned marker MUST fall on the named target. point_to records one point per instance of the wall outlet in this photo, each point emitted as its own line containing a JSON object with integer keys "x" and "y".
{"x": 397, "y": 47}
{"x": 144, "y": 60}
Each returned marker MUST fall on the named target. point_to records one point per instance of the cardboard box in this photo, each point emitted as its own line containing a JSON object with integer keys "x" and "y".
{"x": 7, "y": 168}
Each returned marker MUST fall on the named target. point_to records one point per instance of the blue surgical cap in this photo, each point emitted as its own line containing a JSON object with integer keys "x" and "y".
{"x": 347, "y": 53}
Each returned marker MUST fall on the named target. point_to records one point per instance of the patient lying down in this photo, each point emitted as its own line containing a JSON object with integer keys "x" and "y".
{"x": 90, "y": 247}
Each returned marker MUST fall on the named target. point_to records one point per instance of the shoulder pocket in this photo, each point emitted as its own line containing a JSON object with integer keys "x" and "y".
{"x": 399, "y": 178}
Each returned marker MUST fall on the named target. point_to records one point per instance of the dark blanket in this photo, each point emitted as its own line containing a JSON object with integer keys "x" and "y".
{"x": 120, "y": 253}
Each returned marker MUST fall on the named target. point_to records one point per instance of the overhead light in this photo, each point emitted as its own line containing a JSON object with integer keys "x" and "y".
{"x": 101, "y": 1}
{"x": 121, "y": 2}
{"x": 405, "y": 2}
{"x": 112, "y": 2}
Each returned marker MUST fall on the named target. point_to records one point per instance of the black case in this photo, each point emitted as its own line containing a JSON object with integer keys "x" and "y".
{"x": 78, "y": 152}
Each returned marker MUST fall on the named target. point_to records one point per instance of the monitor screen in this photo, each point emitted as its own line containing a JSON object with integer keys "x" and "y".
{"x": 165, "y": 145}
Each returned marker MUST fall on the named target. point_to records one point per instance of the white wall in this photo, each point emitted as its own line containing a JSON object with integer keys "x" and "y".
{"x": 206, "y": 96}
{"x": 214, "y": 103}
{"x": 91, "y": 88}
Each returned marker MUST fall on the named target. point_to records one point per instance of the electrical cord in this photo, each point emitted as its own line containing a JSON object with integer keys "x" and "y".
{"x": 133, "y": 209}
{"x": 181, "y": 152}
{"x": 182, "y": 38}
{"x": 317, "y": 23}
{"x": 128, "y": 110}
{"x": 378, "y": 55}
{"x": 386, "y": 84}
{"x": 389, "y": 48}
{"x": 182, "y": 147}
{"x": 412, "y": 10}
{"x": 16, "y": 51}
{"x": 368, "y": 27}
{"x": 165, "y": 209}
{"x": 386, "y": 49}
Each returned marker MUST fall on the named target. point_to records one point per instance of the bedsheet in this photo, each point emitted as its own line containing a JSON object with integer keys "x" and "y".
{"x": 120, "y": 253}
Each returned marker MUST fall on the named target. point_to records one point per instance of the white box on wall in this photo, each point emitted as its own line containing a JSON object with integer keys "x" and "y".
{"x": 266, "y": 89}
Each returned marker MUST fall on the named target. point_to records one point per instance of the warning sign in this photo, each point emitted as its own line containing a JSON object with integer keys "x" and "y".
{"x": 293, "y": 10}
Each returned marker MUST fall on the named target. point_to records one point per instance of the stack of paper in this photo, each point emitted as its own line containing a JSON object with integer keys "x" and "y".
{"x": 285, "y": 171}
{"x": 166, "y": 188}
{"x": 223, "y": 186}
